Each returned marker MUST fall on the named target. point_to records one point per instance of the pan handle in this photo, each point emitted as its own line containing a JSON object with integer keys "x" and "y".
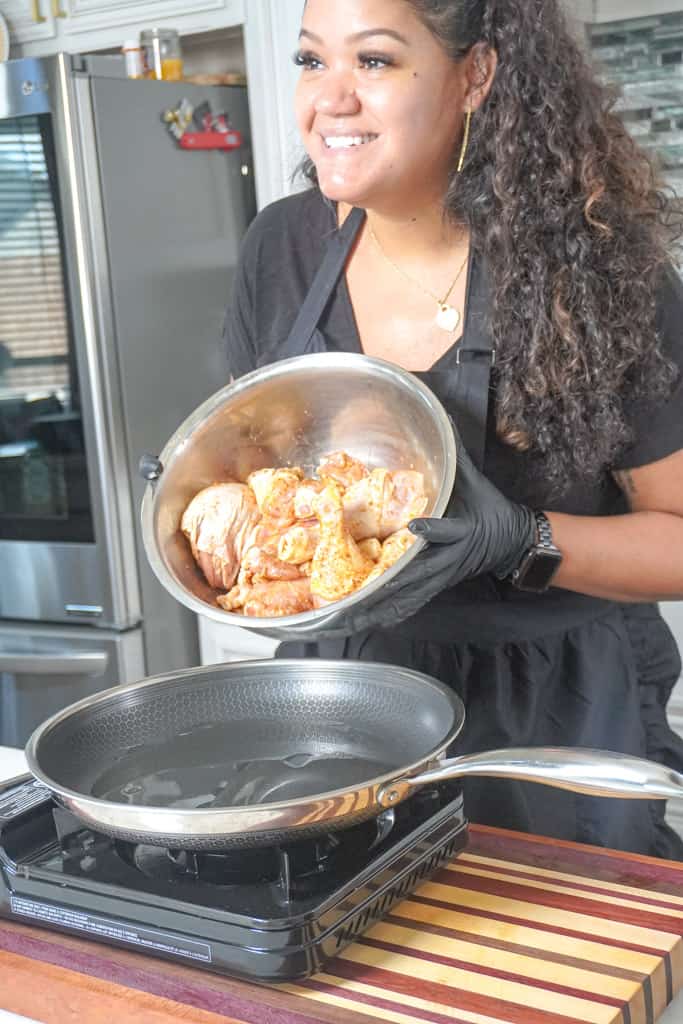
{"x": 596, "y": 772}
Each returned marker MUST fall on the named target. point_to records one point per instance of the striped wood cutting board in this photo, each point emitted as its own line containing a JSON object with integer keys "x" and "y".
{"x": 516, "y": 930}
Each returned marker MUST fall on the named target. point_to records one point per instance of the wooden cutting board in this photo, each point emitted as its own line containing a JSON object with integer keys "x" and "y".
{"x": 516, "y": 930}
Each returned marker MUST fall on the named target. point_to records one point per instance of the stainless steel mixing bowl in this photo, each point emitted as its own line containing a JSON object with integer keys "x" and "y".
{"x": 292, "y": 413}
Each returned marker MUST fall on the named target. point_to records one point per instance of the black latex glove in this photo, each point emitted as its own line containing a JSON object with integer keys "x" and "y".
{"x": 483, "y": 532}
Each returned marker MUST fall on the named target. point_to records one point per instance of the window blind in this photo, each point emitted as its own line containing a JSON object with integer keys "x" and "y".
{"x": 33, "y": 317}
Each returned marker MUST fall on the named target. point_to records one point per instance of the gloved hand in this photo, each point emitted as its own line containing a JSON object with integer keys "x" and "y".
{"x": 483, "y": 532}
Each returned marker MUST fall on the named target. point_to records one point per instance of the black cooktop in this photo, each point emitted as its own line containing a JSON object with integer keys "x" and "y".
{"x": 268, "y": 913}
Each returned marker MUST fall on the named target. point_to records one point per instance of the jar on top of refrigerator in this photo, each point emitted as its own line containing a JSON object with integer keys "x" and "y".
{"x": 162, "y": 56}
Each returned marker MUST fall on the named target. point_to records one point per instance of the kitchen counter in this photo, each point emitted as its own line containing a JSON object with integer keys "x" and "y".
{"x": 516, "y": 930}
{"x": 12, "y": 762}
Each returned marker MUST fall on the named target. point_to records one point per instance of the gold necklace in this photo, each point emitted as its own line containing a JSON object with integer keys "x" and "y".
{"x": 447, "y": 316}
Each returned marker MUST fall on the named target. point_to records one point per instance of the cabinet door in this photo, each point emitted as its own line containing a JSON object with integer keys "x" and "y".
{"x": 28, "y": 20}
{"x": 93, "y": 15}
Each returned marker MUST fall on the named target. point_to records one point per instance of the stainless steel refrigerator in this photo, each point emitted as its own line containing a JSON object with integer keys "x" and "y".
{"x": 117, "y": 250}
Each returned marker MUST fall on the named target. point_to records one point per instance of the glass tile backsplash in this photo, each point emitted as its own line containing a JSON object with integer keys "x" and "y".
{"x": 644, "y": 56}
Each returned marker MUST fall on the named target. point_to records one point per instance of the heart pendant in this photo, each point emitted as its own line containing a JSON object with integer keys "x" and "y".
{"x": 447, "y": 318}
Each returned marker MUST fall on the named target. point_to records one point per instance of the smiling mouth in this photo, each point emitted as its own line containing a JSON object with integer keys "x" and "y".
{"x": 347, "y": 141}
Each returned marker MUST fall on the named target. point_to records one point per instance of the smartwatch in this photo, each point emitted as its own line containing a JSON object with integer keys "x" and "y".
{"x": 540, "y": 563}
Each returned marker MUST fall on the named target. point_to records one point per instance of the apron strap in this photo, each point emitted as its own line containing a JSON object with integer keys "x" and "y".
{"x": 475, "y": 357}
{"x": 339, "y": 246}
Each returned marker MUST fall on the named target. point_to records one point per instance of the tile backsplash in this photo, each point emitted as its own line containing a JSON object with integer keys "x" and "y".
{"x": 644, "y": 57}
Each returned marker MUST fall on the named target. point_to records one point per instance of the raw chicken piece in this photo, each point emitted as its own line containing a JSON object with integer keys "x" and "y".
{"x": 259, "y": 566}
{"x": 266, "y": 536}
{"x": 407, "y": 500}
{"x": 260, "y": 560}
{"x": 342, "y": 468}
{"x": 338, "y": 565}
{"x": 218, "y": 522}
{"x": 297, "y": 545}
{"x": 275, "y": 490}
{"x": 305, "y": 496}
{"x": 363, "y": 503}
{"x": 383, "y": 503}
{"x": 260, "y": 481}
{"x": 371, "y": 548}
{"x": 269, "y": 600}
{"x": 392, "y": 549}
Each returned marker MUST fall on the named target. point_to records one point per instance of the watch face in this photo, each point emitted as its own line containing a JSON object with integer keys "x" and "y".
{"x": 538, "y": 569}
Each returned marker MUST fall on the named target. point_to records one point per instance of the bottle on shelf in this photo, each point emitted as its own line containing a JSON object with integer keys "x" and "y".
{"x": 162, "y": 55}
{"x": 132, "y": 53}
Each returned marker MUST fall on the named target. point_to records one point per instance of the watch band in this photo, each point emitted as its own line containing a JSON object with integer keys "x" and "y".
{"x": 544, "y": 530}
{"x": 541, "y": 562}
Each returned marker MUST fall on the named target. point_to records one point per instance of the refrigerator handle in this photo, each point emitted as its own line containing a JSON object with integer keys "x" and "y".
{"x": 56, "y": 663}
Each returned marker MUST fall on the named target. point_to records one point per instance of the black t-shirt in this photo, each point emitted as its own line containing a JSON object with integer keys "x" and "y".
{"x": 281, "y": 254}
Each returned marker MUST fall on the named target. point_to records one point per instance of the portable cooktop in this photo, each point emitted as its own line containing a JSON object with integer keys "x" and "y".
{"x": 269, "y": 914}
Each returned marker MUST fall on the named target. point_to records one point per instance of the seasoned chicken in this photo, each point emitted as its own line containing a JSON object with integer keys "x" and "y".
{"x": 283, "y": 543}
{"x": 218, "y": 522}
{"x": 371, "y": 548}
{"x": 258, "y": 566}
{"x": 407, "y": 500}
{"x": 363, "y": 503}
{"x": 275, "y": 490}
{"x": 342, "y": 468}
{"x": 260, "y": 561}
{"x": 271, "y": 599}
{"x": 297, "y": 545}
{"x": 339, "y": 567}
{"x": 383, "y": 502}
{"x": 392, "y": 549}
{"x": 305, "y": 496}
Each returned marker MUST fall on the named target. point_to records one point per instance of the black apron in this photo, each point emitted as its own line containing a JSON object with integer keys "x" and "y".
{"x": 560, "y": 669}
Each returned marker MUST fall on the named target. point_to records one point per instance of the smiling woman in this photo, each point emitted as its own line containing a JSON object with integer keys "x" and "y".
{"x": 398, "y": 92}
{"x": 475, "y": 201}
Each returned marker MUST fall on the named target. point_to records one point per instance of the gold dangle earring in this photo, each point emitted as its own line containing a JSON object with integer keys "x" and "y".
{"x": 465, "y": 140}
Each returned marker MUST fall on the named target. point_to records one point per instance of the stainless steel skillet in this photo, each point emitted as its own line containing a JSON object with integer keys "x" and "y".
{"x": 260, "y": 752}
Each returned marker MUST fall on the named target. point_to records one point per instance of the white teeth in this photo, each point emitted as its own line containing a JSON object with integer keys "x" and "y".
{"x": 347, "y": 141}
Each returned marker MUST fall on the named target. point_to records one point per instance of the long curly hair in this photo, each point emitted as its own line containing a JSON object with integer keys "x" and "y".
{"x": 574, "y": 229}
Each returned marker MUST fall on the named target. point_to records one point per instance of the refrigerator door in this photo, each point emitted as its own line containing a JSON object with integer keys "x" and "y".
{"x": 45, "y": 668}
{"x": 173, "y": 220}
{"x": 47, "y": 519}
{"x": 64, "y": 514}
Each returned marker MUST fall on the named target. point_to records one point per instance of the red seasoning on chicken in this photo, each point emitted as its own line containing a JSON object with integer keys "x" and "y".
{"x": 282, "y": 543}
{"x": 384, "y": 502}
{"x": 339, "y": 566}
{"x": 269, "y": 600}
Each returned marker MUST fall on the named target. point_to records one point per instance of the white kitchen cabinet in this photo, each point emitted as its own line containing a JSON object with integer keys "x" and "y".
{"x": 29, "y": 21}
{"x": 96, "y": 15}
{"x": 219, "y": 644}
{"x": 79, "y": 26}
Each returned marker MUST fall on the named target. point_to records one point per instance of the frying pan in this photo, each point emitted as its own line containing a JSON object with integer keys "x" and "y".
{"x": 263, "y": 752}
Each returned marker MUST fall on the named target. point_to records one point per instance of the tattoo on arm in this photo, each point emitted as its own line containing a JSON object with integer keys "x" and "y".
{"x": 627, "y": 483}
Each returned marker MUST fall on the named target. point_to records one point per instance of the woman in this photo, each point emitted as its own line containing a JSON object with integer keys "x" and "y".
{"x": 476, "y": 202}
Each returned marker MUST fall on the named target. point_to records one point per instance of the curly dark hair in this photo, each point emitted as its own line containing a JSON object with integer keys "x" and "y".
{"x": 574, "y": 229}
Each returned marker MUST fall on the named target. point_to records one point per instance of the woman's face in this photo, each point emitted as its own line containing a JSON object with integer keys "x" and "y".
{"x": 379, "y": 103}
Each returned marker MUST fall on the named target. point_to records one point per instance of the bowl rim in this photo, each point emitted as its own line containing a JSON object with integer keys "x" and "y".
{"x": 319, "y": 618}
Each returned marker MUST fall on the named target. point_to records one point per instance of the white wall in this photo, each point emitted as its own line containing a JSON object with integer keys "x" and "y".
{"x": 271, "y": 34}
